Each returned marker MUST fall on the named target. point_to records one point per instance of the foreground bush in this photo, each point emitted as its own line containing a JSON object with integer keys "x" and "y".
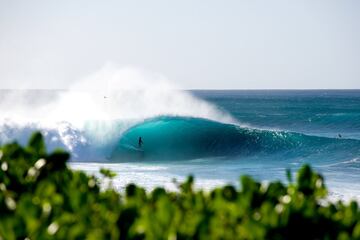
{"x": 41, "y": 198}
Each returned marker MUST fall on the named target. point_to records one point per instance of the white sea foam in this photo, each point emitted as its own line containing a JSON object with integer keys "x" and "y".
{"x": 111, "y": 93}
{"x": 98, "y": 108}
{"x": 150, "y": 176}
{"x": 145, "y": 175}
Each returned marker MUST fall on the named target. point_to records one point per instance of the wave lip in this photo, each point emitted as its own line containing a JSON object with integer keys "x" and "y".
{"x": 179, "y": 138}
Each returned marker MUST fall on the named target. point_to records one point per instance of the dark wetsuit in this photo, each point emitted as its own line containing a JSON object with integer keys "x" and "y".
{"x": 140, "y": 142}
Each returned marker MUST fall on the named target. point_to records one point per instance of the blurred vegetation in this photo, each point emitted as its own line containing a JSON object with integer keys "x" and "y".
{"x": 41, "y": 198}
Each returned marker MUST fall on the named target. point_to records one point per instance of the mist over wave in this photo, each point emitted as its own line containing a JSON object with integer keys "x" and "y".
{"x": 101, "y": 117}
{"x": 90, "y": 117}
{"x": 216, "y": 135}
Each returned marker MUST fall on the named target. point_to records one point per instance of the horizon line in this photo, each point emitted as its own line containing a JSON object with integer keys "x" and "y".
{"x": 199, "y": 89}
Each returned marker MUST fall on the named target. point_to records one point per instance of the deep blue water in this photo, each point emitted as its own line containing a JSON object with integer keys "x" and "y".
{"x": 314, "y": 112}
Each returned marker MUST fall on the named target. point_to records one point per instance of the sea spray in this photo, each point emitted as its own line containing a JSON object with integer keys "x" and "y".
{"x": 91, "y": 116}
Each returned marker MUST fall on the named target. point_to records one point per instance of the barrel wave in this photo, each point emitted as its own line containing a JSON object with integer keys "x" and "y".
{"x": 180, "y": 138}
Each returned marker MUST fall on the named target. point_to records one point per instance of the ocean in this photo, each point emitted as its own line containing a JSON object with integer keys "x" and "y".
{"x": 214, "y": 135}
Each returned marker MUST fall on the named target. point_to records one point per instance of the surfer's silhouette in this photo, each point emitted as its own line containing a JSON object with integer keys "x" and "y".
{"x": 339, "y": 135}
{"x": 140, "y": 142}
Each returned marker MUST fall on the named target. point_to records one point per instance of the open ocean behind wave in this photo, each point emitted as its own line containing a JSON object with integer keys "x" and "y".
{"x": 266, "y": 132}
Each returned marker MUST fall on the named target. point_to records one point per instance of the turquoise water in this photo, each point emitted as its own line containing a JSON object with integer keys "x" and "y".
{"x": 269, "y": 132}
{"x": 296, "y": 126}
{"x": 314, "y": 119}
{"x": 275, "y": 130}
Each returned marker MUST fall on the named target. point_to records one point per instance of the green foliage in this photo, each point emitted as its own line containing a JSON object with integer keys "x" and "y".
{"x": 41, "y": 198}
{"x": 107, "y": 173}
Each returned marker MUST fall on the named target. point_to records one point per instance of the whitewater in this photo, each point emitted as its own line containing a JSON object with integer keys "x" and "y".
{"x": 214, "y": 135}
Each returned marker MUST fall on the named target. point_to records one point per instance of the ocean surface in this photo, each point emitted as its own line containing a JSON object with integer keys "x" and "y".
{"x": 214, "y": 135}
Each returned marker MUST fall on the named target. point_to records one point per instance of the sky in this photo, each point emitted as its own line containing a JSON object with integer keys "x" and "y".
{"x": 202, "y": 44}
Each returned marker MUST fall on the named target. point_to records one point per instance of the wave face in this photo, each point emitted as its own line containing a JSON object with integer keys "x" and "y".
{"x": 177, "y": 126}
{"x": 182, "y": 138}
{"x": 228, "y": 133}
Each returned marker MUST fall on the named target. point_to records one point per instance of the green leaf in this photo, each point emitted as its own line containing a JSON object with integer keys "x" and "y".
{"x": 107, "y": 173}
{"x": 37, "y": 144}
{"x": 289, "y": 175}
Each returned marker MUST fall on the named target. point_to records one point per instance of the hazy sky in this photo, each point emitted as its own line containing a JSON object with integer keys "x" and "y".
{"x": 197, "y": 44}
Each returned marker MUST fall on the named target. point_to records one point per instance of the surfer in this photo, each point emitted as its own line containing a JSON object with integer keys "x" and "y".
{"x": 339, "y": 135}
{"x": 140, "y": 142}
